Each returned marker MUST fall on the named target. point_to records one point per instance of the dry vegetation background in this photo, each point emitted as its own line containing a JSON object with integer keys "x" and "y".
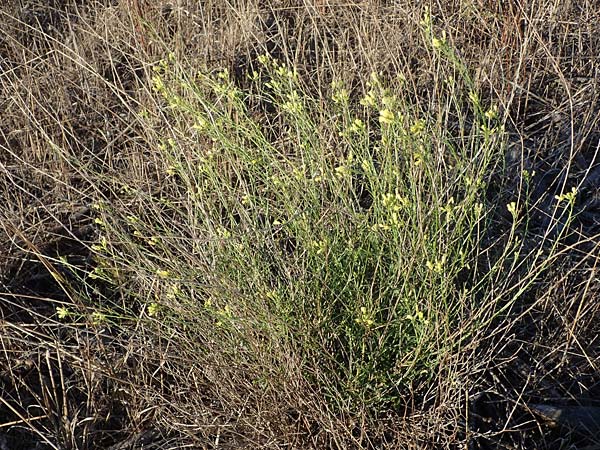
{"x": 74, "y": 76}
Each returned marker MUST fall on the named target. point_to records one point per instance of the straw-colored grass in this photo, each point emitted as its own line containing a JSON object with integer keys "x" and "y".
{"x": 295, "y": 226}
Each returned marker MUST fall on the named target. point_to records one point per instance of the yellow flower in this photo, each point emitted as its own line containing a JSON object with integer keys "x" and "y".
{"x": 380, "y": 226}
{"x": 201, "y": 124}
{"x": 386, "y": 116}
{"x": 395, "y": 201}
{"x": 366, "y": 165}
{"x": 365, "y": 318}
{"x": 62, "y": 312}
{"x": 487, "y": 131}
{"x": 319, "y": 246}
{"x": 437, "y": 43}
{"x": 223, "y": 74}
{"x": 263, "y": 59}
{"x": 417, "y": 158}
{"x": 436, "y": 266}
{"x": 158, "y": 84}
{"x": 174, "y": 291}
{"x": 369, "y": 100}
{"x": 294, "y": 103}
{"x": 374, "y": 79}
{"x": 153, "y": 309}
{"x": 569, "y": 196}
{"x": 340, "y": 96}
{"x": 342, "y": 171}
{"x": 474, "y": 97}
{"x": 426, "y": 21}
{"x": 98, "y": 318}
{"x": 389, "y": 100}
{"x": 417, "y": 127}
{"x": 163, "y": 273}
{"x": 418, "y": 317}
{"x": 492, "y": 113}
{"x": 357, "y": 126}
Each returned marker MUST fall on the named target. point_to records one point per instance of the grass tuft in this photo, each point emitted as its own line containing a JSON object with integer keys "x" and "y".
{"x": 296, "y": 227}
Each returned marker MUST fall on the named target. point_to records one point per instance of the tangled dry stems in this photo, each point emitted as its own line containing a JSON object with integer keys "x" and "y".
{"x": 74, "y": 79}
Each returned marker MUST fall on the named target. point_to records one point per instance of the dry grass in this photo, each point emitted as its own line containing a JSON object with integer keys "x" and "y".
{"x": 74, "y": 78}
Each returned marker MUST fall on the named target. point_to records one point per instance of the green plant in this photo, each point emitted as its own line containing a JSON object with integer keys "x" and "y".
{"x": 342, "y": 229}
